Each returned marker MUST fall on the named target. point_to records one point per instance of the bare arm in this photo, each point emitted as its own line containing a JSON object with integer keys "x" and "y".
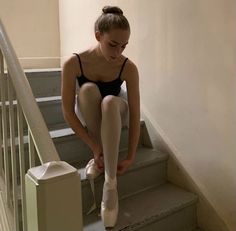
{"x": 132, "y": 82}
{"x": 68, "y": 89}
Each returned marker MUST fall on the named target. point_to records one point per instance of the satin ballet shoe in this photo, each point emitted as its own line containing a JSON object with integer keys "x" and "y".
{"x": 91, "y": 173}
{"x": 109, "y": 213}
{"x": 91, "y": 170}
{"x": 109, "y": 217}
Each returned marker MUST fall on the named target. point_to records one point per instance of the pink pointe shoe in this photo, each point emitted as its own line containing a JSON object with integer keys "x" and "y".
{"x": 91, "y": 170}
{"x": 91, "y": 173}
{"x": 109, "y": 204}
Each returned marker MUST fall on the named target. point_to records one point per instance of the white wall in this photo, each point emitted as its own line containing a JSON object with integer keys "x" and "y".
{"x": 185, "y": 51}
{"x": 33, "y": 27}
{"x": 77, "y": 25}
{"x": 191, "y": 68}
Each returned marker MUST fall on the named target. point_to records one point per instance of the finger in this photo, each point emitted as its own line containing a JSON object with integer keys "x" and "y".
{"x": 121, "y": 170}
{"x": 99, "y": 165}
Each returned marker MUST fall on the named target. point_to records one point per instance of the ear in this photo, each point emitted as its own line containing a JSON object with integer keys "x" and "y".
{"x": 98, "y": 35}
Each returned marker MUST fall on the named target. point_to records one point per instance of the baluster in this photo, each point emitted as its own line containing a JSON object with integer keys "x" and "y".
{"x": 1, "y": 143}
{"x": 20, "y": 122}
{"x": 13, "y": 155}
{"x": 4, "y": 135}
{"x": 31, "y": 150}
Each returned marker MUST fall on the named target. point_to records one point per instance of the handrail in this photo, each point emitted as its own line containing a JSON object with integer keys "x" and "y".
{"x": 42, "y": 140}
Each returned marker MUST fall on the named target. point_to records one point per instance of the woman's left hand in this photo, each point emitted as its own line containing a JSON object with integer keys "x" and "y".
{"x": 123, "y": 166}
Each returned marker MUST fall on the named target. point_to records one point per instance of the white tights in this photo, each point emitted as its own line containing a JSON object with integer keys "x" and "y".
{"x": 104, "y": 119}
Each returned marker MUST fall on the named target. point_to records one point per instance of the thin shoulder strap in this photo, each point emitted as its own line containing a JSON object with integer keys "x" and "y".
{"x": 123, "y": 65}
{"x": 80, "y": 64}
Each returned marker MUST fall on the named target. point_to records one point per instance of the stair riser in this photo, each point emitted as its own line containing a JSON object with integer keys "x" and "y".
{"x": 45, "y": 84}
{"x": 51, "y": 112}
{"x": 184, "y": 219}
{"x": 131, "y": 183}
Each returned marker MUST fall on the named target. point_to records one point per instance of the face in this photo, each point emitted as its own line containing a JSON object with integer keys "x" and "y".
{"x": 113, "y": 43}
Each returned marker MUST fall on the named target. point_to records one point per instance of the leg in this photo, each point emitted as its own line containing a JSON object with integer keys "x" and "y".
{"x": 90, "y": 106}
{"x": 113, "y": 109}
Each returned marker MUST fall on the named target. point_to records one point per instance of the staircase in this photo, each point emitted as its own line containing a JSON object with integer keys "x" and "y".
{"x": 148, "y": 202}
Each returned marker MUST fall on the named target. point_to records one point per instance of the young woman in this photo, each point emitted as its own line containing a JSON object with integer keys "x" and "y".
{"x": 103, "y": 105}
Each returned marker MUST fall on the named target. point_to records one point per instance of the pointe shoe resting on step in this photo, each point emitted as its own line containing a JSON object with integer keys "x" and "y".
{"x": 109, "y": 205}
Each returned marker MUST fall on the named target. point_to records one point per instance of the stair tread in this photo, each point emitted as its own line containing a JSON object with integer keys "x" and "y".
{"x": 162, "y": 201}
{"x": 144, "y": 157}
{"x": 48, "y": 99}
{"x": 62, "y": 132}
{"x": 42, "y": 70}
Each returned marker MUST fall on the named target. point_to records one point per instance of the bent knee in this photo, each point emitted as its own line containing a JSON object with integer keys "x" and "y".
{"x": 109, "y": 103}
{"x": 89, "y": 89}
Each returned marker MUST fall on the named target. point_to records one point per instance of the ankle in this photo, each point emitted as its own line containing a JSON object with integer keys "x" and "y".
{"x": 110, "y": 183}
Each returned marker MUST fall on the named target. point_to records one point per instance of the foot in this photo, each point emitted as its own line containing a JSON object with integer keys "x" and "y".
{"x": 109, "y": 205}
{"x": 91, "y": 170}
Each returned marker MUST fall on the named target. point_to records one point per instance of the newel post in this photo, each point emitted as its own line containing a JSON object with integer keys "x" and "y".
{"x": 53, "y": 198}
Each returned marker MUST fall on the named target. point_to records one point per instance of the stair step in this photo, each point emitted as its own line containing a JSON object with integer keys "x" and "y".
{"x": 51, "y": 110}
{"x": 45, "y": 82}
{"x": 148, "y": 170}
{"x": 71, "y": 148}
{"x": 162, "y": 208}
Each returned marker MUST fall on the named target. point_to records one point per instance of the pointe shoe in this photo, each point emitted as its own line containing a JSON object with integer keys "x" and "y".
{"x": 91, "y": 173}
{"x": 91, "y": 170}
{"x": 109, "y": 215}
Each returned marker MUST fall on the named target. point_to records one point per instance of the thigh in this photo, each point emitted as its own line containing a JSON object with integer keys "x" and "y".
{"x": 89, "y": 104}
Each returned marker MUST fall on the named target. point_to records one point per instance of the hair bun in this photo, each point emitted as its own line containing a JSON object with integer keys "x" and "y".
{"x": 112, "y": 10}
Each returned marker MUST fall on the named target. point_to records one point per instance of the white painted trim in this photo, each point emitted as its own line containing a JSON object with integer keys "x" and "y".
{"x": 40, "y": 62}
{"x": 4, "y": 223}
{"x": 29, "y": 70}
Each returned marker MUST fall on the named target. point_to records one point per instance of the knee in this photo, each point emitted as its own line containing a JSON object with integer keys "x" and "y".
{"x": 109, "y": 104}
{"x": 89, "y": 89}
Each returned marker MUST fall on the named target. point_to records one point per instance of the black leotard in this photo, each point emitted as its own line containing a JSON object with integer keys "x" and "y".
{"x": 106, "y": 88}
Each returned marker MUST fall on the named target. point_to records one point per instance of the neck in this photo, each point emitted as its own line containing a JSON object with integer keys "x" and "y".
{"x": 99, "y": 55}
{"x": 96, "y": 51}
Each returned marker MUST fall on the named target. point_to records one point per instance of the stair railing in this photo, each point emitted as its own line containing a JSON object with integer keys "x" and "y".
{"x": 18, "y": 112}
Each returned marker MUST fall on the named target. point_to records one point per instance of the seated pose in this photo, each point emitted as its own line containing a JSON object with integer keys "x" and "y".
{"x": 104, "y": 106}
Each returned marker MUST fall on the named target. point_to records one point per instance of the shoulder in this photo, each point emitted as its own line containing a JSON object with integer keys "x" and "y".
{"x": 130, "y": 71}
{"x": 72, "y": 63}
{"x": 131, "y": 66}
